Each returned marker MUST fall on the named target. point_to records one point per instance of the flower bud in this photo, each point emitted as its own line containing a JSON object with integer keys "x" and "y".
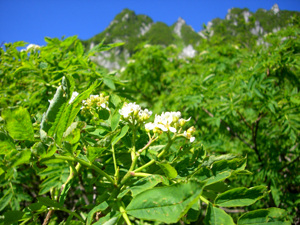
{"x": 191, "y": 130}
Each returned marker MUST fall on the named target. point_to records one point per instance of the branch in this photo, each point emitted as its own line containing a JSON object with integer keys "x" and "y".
{"x": 229, "y": 129}
{"x": 49, "y": 214}
{"x": 248, "y": 125}
{"x": 297, "y": 158}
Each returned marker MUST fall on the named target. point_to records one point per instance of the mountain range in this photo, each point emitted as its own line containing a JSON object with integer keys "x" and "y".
{"x": 239, "y": 25}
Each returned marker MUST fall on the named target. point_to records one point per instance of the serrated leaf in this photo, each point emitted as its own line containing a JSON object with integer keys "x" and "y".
{"x": 18, "y": 124}
{"x": 6, "y": 143}
{"x": 94, "y": 152}
{"x": 165, "y": 204}
{"x": 241, "y": 196}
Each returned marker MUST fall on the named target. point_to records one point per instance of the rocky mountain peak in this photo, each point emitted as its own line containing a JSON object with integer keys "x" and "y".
{"x": 275, "y": 9}
{"x": 178, "y": 25}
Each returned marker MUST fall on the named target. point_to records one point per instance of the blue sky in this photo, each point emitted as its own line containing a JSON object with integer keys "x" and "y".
{"x": 32, "y": 20}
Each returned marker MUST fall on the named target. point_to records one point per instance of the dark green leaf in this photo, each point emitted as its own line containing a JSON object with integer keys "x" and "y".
{"x": 241, "y": 196}
{"x": 216, "y": 216}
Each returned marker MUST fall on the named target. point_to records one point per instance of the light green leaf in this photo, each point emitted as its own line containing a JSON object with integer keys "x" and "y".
{"x": 111, "y": 218}
{"x": 109, "y": 83}
{"x": 216, "y": 216}
{"x": 94, "y": 152}
{"x": 165, "y": 204}
{"x": 97, "y": 208}
{"x": 241, "y": 196}
{"x": 6, "y": 143}
{"x": 5, "y": 200}
{"x": 18, "y": 158}
{"x": 18, "y": 124}
{"x": 121, "y": 134}
{"x": 79, "y": 48}
{"x": 72, "y": 134}
{"x": 169, "y": 171}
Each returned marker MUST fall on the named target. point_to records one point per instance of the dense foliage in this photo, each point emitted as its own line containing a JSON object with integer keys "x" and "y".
{"x": 221, "y": 149}
{"x": 244, "y": 101}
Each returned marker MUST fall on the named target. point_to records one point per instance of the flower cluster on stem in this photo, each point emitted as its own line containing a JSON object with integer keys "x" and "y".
{"x": 133, "y": 113}
{"x": 170, "y": 121}
{"x": 93, "y": 104}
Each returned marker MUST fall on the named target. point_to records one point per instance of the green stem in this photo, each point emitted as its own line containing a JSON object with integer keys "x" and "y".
{"x": 124, "y": 214}
{"x": 141, "y": 174}
{"x": 170, "y": 142}
{"x": 204, "y": 200}
{"x": 115, "y": 161}
{"x": 82, "y": 162}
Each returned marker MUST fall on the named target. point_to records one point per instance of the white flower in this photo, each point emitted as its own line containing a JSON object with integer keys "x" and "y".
{"x": 74, "y": 95}
{"x": 147, "y": 46}
{"x": 144, "y": 114}
{"x": 131, "y": 61}
{"x": 129, "y": 109}
{"x": 33, "y": 47}
{"x": 189, "y": 136}
{"x": 165, "y": 122}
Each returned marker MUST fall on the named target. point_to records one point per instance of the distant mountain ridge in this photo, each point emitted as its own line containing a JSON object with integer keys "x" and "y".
{"x": 239, "y": 25}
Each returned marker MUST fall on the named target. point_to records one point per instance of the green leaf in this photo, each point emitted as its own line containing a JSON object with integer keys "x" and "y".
{"x": 144, "y": 184}
{"x": 79, "y": 48}
{"x": 11, "y": 217}
{"x": 94, "y": 152}
{"x": 121, "y": 134}
{"x": 18, "y": 158}
{"x": 49, "y": 202}
{"x": 165, "y": 204}
{"x": 18, "y": 124}
{"x": 111, "y": 218}
{"x": 241, "y": 196}
{"x": 109, "y": 83}
{"x": 6, "y": 143}
{"x": 100, "y": 207}
{"x": 169, "y": 171}
{"x": 271, "y": 216}
{"x": 5, "y": 200}
{"x": 103, "y": 114}
{"x": 39, "y": 149}
{"x": 72, "y": 134}
{"x": 115, "y": 120}
{"x": 216, "y": 216}
{"x": 64, "y": 192}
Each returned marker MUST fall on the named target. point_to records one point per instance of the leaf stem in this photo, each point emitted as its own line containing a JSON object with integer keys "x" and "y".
{"x": 82, "y": 162}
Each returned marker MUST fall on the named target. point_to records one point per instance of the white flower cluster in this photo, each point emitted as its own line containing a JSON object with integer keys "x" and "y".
{"x": 132, "y": 112}
{"x": 170, "y": 121}
{"x": 93, "y": 105}
{"x": 31, "y": 47}
{"x": 96, "y": 101}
